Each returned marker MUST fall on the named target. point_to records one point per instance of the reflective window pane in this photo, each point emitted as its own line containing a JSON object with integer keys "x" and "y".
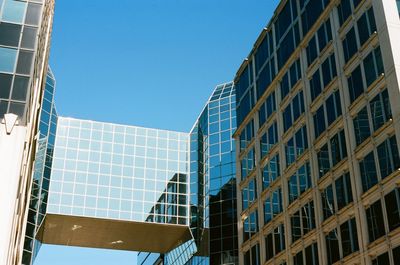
{"x": 9, "y": 34}
{"x": 25, "y": 60}
{"x": 361, "y": 126}
{"x": 33, "y": 14}
{"x": 14, "y": 11}
{"x": 375, "y": 222}
{"x": 355, "y": 83}
{"x": 348, "y": 232}
{"x": 7, "y": 59}
{"x": 20, "y": 88}
{"x": 368, "y": 172}
{"x": 3, "y": 108}
{"x": 5, "y": 85}
{"x": 17, "y": 108}
{"x": 29, "y": 37}
{"x": 392, "y": 201}
{"x": 332, "y": 247}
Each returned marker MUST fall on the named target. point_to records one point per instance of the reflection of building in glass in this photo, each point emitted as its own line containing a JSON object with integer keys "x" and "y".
{"x": 25, "y": 29}
{"x": 318, "y": 133}
{"x": 42, "y": 170}
{"x": 167, "y": 206}
{"x": 212, "y": 186}
{"x": 212, "y": 169}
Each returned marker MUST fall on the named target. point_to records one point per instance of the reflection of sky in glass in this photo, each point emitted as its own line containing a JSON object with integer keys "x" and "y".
{"x": 212, "y": 184}
{"x": 114, "y": 171}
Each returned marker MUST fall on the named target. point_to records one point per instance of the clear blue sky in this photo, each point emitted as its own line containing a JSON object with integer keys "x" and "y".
{"x": 149, "y": 63}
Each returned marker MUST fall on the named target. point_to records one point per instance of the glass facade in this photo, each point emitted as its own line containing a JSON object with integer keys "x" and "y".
{"x": 318, "y": 138}
{"x": 42, "y": 170}
{"x": 20, "y": 22}
{"x": 212, "y": 185}
{"x": 119, "y": 172}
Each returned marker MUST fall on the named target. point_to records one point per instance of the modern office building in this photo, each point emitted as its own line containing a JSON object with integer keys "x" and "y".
{"x": 318, "y": 136}
{"x": 212, "y": 187}
{"x": 25, "y": 30}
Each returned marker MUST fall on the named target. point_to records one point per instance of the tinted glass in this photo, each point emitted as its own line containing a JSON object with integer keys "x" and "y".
{"x": 369, "y": 68}
{"x": 348, "y": 232}
{"x": 375, "y": 222}
{"x": 33, "y": 14}
{"x": 5, "y": 85}
{"x": 355, "y": 82}
{"x": 382, "y": 259}
{"x": 332, "y": 247}
{"x": 25, "y": 61}
{"x": 319, "y": 121}
{"x": 327, "y": 202}
{"x": 17, "y": 108}
{"x": 29, "y": 38}
{"x": 368, "y": 172}
{"x": 3, "y": 108}
{"x": 344, "y": 10}
{"x": 393, "y": 209}
{"x": 311, "y": 51}
{"x": 323, "y": 161}
{"x": 350, "y": 44}
{"x": 20, "y": 88}
{"x": 343, "y": 191}
{"x": 315, "y": 85}
{"x": 361, "y": 126}
{"x": 9, "y": 34}
{"x": 7, "y": 59}
{"x": 14, "y": 11}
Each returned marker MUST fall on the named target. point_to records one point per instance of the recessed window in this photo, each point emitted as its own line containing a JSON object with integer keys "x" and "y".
{"x": 373, "y": 66}
{"x": 388, "y": 157}
{"x": 380, "y": 109}
{"x": 319, "y": 122}
{"x": 269, "y": 139}
{"x": 349, "y": 45}
{"x": 349, "y": 240}
{"x": 302, "y": 221}
{"x": 296, "y": 146}
{"x": 311, "y": 50}
{"x": 275, "y": 242}
{"x": 250, "y": 225}
{"x": 382, "y": 259}
{"x": 366, "y": 25}
{"x": 315, "y": 85}
{"x": 299, "y": 182}
{"x": 271, "y": 171}
{"x": 355, "y": 83}
{"x": 392, "y": 201}
{"x": 361, "y": 126}
{"x": 273, "y": 205}
{"x": 344, "y": 10}
{"x": 329, "y": 71}
{"x": 332, "y": 247}
{"x": 368, "y": 172}
{"x": 328, "y": 205}
{"x": 376, "y": 227}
